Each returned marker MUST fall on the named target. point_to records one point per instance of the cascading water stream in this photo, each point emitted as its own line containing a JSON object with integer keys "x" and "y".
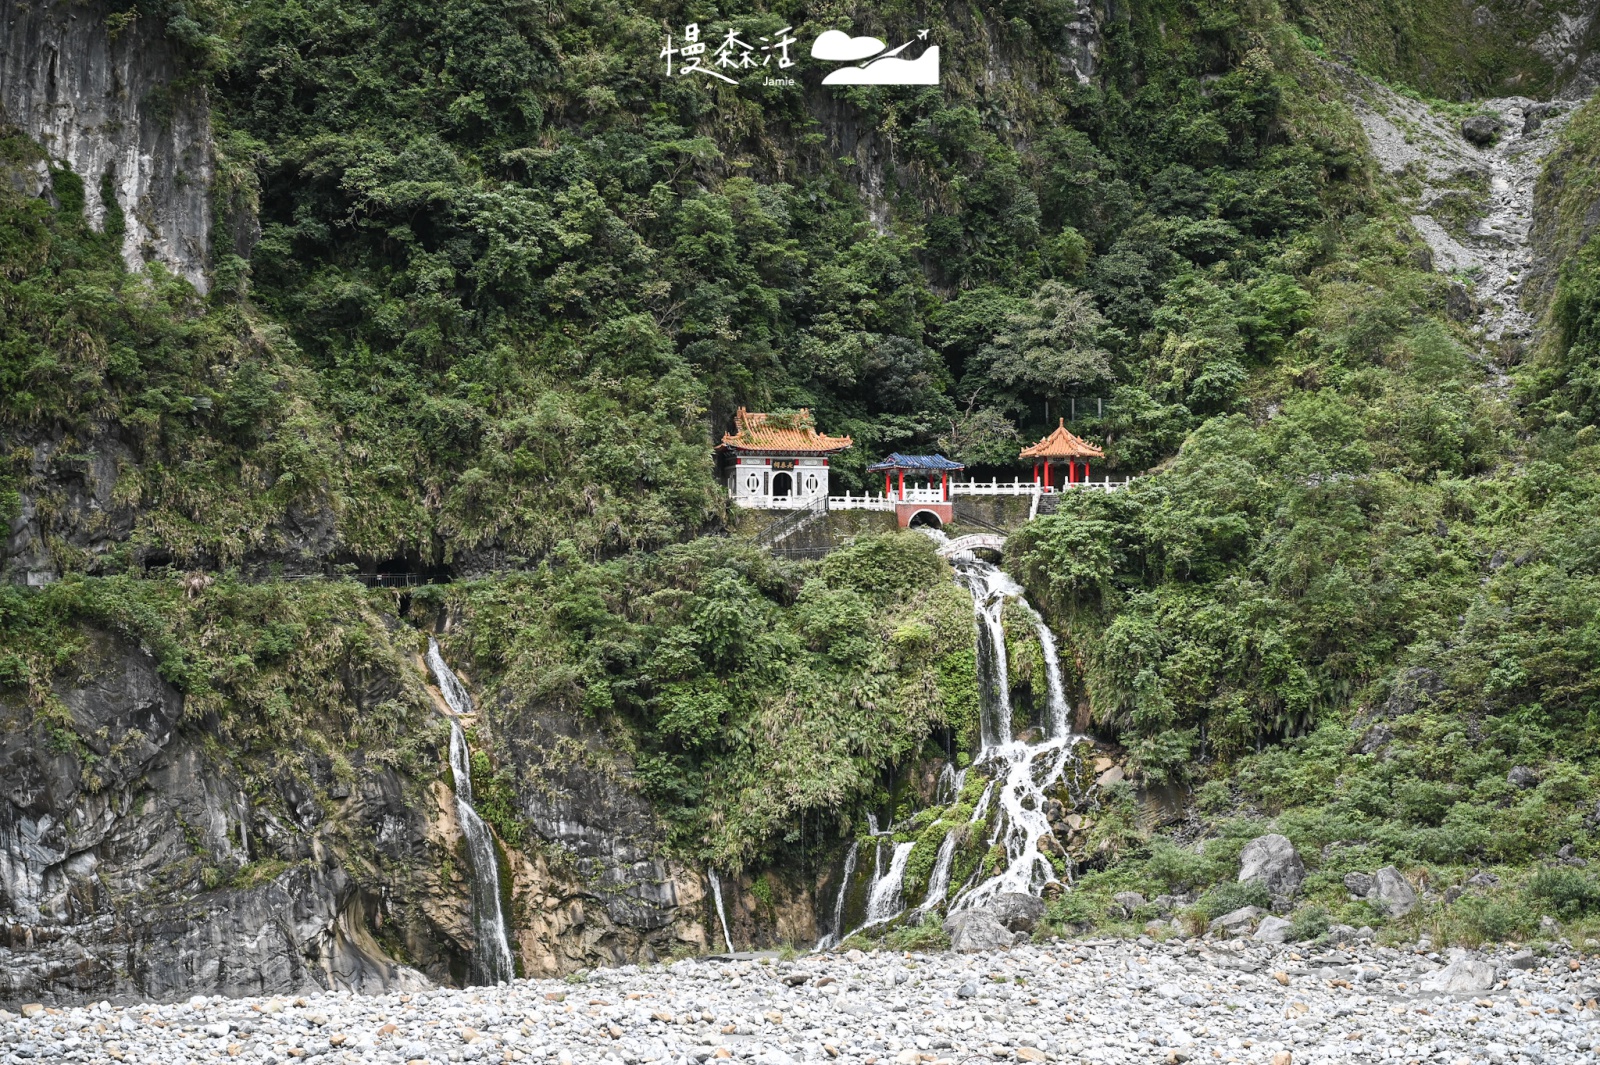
{"x": 1060, "y": 718}
{"x": 994, "y": 679}
{"x": 884, "y": 902}
{"x": 722, "y": 915}
{"x": 837, "y": 935}
{"x": 491, "y": 960}
{"x": 885, "y": 899}
{"x": 1022, "y": 774}
{"x": 939, "y": 879}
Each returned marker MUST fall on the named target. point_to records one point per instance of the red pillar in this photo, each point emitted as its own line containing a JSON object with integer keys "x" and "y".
{"x": 1035, "y": 473}
{"x": 886, "y": 488}
{"x": 902, "y": 484}
{"x": 1047, "y": 475}
{"x": 1086, "y": 472}
{"x": 944, "y": 485}
{"x": 1072, "y": 471}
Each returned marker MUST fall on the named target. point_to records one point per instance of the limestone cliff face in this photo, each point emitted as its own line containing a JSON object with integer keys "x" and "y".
{"x": 614, "y": 896}
{"x": 135, "y": 862}
{"x": 145, "y": 855}
{"x": 115, "y": 110}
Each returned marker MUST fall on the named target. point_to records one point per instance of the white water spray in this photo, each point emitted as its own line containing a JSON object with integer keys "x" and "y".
{"x": 939, "y": 879}
{"x": 1023, "y": 774}
{"x": 491, "y": 960}
{"x": 884, "y": 902}
{"x": 834, "y": 938}
{"x": 722, "y": 915}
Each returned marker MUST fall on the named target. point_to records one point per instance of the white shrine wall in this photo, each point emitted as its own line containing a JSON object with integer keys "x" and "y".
{"x": 778, "y": 481}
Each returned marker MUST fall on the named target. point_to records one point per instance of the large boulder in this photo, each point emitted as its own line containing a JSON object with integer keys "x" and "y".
{"x": 1391, "y": 892}
{"x": 1522, "y": 777}
{"x": 1273, "y": 930}
{"x": 977, "y": 930}
{"x": 1461, "y": 975}
{"x": 1272, "y": 860}
{"x": 1238, "y": 921}
{"x": 1125, "y": 902}
{"x": 1480, "y": 129}
{"x": 1018, "y": 912}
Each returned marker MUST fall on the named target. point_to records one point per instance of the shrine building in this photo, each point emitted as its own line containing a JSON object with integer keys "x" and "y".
{"x": 1061, "y": 447}
{"x": 780, "y": 461}
{"x": 927, "y": 504}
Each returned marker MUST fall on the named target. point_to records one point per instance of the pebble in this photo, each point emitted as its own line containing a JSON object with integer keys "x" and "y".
{"x": 1101, "y": 1001}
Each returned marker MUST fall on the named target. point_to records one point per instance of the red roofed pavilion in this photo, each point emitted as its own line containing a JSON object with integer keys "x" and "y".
{"x": 1062, "y": 445}
{"x": 780, "y": 460}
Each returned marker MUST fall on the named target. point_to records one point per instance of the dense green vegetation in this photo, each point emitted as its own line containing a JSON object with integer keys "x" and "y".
{"x": 1448, "y": 49}
{"x": 511, "y": 282}
{"x": 753, "y": 698}
{"x": 493, "y": 304}
{"x": 263, "y": 667}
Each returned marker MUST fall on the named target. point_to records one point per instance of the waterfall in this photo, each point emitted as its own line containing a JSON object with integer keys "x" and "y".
{"x": 982, "y": 809}
{"x": 491, "y": 959}
{"x": 1029, "y": 772}
{"x": 939, "y": 879}
{"x": 884, "y": 902}
{"x": 1059, "y": 718}
{"x": 987, "y": 585}
{"x": 1022, "y": 774}
{"x": 835, "y": 937}
{"x": 948, "y": 788}
{"x": 722, "y": 915}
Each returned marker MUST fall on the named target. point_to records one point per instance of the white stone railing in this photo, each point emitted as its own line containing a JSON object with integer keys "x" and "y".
{"x": 868, "y": 501}
{"x": 882, "y": 502}
{"x": 1019, "y": 487}
{"x": 773, "y": 502}
{"x": 861, "y": 502}
{"x": 1014, "y": 487}
{"x": 1105, "y": 484}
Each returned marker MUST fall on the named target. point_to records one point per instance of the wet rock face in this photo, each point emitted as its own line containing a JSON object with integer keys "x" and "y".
{"x": 133, "y": 865}
{"x": 619, "y": 901}
{"x": 144, "y": 855}
{"x": 113, "y": 111}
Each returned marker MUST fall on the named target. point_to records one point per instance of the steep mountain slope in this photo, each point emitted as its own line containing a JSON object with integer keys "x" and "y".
{"x": 511, "y": 279}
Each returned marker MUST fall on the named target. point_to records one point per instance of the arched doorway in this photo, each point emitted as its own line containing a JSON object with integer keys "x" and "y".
{"x": 925, "y": 519}
{"x": 782, "y": 484}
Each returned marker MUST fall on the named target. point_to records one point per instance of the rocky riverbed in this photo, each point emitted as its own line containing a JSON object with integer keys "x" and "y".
{"x": 1233, "y": 1000}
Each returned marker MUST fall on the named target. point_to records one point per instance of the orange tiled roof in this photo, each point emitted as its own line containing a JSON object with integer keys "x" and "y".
{"x": 1062, "y": 444}
{"x": 790, "y": 434}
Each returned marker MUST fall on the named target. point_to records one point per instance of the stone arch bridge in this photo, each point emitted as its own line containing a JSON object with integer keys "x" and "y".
{"x": 987, "y": 541}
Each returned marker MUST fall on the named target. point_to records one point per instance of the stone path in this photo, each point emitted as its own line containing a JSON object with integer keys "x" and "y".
{"x": 1102, "y": 1001}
